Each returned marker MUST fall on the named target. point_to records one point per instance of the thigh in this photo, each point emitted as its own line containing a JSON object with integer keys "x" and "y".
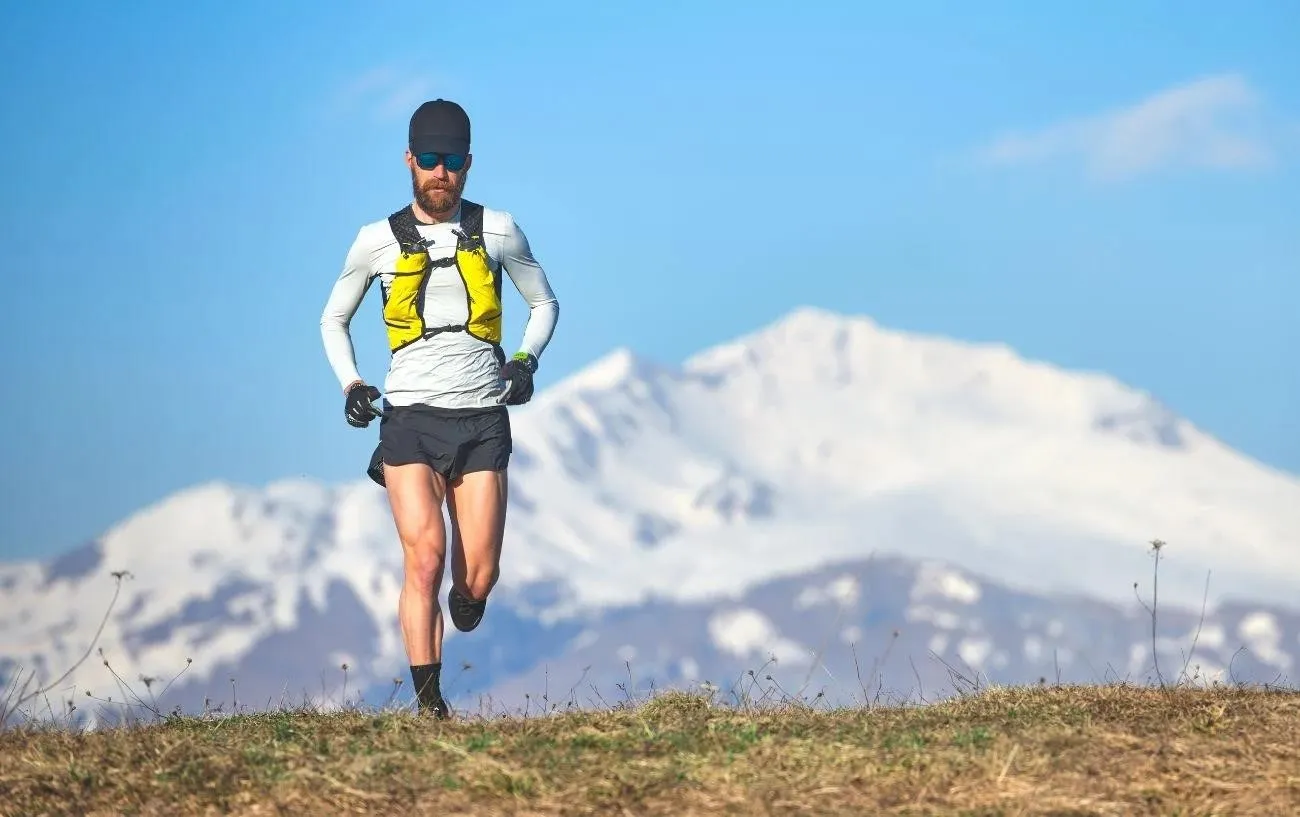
{"x": 477, "y": 490}
{"x": 415, "y": 494}
{"x": 477, "y": 502}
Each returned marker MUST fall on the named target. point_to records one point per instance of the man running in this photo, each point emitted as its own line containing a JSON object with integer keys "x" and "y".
{"x": 445, "y": 430}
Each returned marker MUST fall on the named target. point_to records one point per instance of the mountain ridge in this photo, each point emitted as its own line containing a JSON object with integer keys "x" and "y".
{"x": 816, "y": 439}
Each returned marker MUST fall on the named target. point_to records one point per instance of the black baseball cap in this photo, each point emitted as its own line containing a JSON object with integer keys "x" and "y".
{"x": 439, "y": 125}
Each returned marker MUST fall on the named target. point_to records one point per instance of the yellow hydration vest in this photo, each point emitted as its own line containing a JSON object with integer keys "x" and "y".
{"x": 404, "y": 297}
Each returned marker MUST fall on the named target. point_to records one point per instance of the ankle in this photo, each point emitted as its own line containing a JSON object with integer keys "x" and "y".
{"x": 427, "y": 680}
{"x": 466, "y": 591}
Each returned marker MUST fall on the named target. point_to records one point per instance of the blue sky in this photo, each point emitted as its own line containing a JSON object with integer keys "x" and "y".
{"x": 1114, "y": 189}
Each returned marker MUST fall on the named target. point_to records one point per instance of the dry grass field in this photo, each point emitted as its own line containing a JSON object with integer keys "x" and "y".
{"x": 1105, "y": 750}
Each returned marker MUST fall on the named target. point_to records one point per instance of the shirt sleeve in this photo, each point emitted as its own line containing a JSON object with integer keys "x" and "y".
{"x": 530, "y": 279}
{"x": 344, "y": 299}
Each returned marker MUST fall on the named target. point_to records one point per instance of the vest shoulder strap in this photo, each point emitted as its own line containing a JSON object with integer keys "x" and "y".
{"x": 402, "y": 223}
{"x": 471, "y": 218}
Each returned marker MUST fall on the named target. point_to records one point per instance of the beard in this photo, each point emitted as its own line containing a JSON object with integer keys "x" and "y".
{"x": 438, "y": 197}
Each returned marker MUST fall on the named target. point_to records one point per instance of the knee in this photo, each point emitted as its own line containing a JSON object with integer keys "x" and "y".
{"x": 423, "y": 562}
{"x": 424, "y": 571}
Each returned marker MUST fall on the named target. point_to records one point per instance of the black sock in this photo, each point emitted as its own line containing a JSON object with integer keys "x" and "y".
{"x": 425, "y": 678}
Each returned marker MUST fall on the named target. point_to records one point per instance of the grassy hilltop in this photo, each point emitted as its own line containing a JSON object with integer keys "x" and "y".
{"x": 1111, "y": 750}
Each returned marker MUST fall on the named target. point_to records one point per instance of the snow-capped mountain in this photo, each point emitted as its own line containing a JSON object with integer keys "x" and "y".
{"x": 678, "y": 516}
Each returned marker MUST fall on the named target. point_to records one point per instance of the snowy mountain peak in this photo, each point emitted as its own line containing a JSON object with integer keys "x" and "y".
{"x": 606, "y": 372}
{"x": 817, "y": 355}
{"x": 820, "y": 356}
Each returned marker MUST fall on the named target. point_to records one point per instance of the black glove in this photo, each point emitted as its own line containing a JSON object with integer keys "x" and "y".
{"x": 357, "y": 408}
{"x": 518, "y": 372}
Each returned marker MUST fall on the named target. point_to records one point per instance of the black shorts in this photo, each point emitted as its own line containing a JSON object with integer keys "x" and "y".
{"x": 451, "y": 441}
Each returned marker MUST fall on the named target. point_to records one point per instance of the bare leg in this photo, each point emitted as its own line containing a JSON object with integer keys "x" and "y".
{"x": 477, "y": 504}
{"x": 415, "y": 493}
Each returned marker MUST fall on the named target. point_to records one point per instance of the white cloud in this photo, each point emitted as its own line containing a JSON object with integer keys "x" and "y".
{"x": 384, "y": 92}
{"x": 1217, "y": 123}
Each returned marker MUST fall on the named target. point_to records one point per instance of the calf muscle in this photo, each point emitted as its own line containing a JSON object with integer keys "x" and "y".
{"x": 415, "y": 493}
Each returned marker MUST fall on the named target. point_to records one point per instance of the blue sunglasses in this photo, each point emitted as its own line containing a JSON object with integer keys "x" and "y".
{"x": 430, "y": 160}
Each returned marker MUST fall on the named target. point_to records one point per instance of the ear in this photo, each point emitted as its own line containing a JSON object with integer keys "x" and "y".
{"x": 469, "y": 162}
{"x": 410, "y": 159}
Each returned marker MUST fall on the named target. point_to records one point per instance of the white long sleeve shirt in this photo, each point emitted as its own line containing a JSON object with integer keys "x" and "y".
{"x": 451, "y": 369}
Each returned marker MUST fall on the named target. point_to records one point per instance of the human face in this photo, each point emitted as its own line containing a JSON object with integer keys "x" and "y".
{"x": 437, "y": 191}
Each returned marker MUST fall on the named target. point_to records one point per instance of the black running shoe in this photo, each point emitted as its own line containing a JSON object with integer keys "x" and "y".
{"x": 465, "y": 614}
{"x": 435, "y": 709}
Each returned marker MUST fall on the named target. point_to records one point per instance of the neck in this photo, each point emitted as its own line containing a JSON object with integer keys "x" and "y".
{"x": 428, "y": 217}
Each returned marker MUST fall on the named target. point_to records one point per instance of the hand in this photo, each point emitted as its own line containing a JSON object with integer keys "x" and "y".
{"x": 518, "y": 374}
{"x": 356, "y": 408}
